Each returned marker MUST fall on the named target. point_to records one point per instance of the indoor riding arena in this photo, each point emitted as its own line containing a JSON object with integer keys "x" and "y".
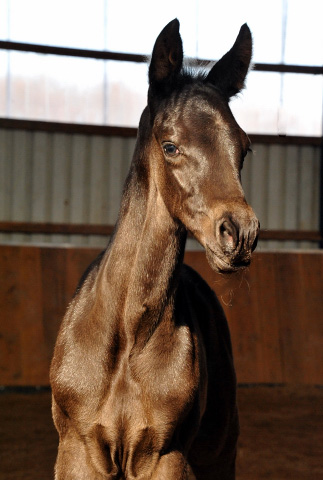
{"x": 70, "y": 103}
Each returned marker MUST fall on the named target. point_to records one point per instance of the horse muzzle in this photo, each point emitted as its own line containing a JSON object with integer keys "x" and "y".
{"x": 236, "y": 235}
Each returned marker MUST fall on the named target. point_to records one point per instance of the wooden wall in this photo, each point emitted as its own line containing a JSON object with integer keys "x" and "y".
{"x": 275, "y": 311}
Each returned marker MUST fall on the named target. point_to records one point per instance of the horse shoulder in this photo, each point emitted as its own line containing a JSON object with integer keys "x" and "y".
{"x": 213, "y": 448}
{"x": 206, "y": 309}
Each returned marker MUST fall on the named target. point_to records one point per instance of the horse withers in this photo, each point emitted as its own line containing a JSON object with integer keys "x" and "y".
{"x": 142, "y": 376}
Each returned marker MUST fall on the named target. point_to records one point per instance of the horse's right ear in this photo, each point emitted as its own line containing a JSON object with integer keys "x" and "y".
{"x": 229, "y": 73}
{"x": 167, "y": 57}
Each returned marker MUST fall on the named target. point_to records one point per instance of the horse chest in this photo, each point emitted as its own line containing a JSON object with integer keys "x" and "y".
{"x": 155, "y": 389}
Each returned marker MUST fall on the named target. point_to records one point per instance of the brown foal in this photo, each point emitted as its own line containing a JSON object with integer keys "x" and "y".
{"x": 142, "y": 376}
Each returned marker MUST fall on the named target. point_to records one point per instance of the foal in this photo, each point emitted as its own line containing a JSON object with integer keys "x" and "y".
{"x": 142, "y": 376}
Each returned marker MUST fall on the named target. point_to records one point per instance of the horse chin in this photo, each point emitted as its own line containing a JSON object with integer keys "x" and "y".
{"x": 223, "y": 264}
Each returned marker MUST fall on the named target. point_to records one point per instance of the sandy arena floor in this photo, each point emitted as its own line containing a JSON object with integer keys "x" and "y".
{"x": 281, "y": 434}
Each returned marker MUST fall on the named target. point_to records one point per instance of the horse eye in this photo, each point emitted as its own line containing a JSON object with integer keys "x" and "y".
{"x": 170, "y": 149}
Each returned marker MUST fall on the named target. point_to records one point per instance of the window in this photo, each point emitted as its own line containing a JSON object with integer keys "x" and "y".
{"x": 82, "y": 90}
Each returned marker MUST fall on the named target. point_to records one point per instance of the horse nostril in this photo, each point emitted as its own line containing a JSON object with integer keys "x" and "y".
{"x": 228, "y": 235}
{"x": 237, "y": 238}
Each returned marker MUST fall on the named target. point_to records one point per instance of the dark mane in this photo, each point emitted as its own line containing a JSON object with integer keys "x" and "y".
{"x": 191, "y": 74}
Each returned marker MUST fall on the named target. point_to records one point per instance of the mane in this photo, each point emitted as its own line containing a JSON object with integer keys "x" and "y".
{"x": 187, "y": 76}
{"x": 197, "y": 68}
{"x": 191, "y": 73}
{"x": 198, "y": 74}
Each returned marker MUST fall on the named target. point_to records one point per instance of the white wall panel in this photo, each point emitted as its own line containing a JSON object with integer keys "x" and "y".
{"x": 75, "y": 178}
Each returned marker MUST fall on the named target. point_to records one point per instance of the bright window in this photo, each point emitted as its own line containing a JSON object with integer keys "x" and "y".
{"x": 67, "y": 89}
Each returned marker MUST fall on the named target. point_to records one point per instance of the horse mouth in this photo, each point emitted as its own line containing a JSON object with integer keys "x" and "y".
{"x": 226, "y": 264}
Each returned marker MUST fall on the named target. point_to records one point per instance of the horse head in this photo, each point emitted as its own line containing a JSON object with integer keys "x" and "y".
{"x": 197, "y": 148}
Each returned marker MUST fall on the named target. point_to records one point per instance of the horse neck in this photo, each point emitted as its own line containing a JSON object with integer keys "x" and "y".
{"x": 141, "y": 267}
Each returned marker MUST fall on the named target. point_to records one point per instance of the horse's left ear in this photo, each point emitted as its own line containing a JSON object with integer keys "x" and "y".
{"x": 230, "y": 72}
{"x": 167, "y": 57}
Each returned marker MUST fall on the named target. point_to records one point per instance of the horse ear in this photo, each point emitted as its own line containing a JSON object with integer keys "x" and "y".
{"x": 230, "y": 72}
{"x": 167, "y": 57}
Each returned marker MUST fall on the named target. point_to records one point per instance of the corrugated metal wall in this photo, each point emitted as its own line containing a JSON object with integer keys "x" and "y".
{"x": 74, "y": 178}
{"x": 48, "y": 177}
{"x": 282, "y": 183}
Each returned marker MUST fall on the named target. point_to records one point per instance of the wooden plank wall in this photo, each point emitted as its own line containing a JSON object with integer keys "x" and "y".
{"x": 274, "y": 310}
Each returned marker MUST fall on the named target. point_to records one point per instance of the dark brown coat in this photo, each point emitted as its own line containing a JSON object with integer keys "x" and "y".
{"x": 142, "y": 376}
